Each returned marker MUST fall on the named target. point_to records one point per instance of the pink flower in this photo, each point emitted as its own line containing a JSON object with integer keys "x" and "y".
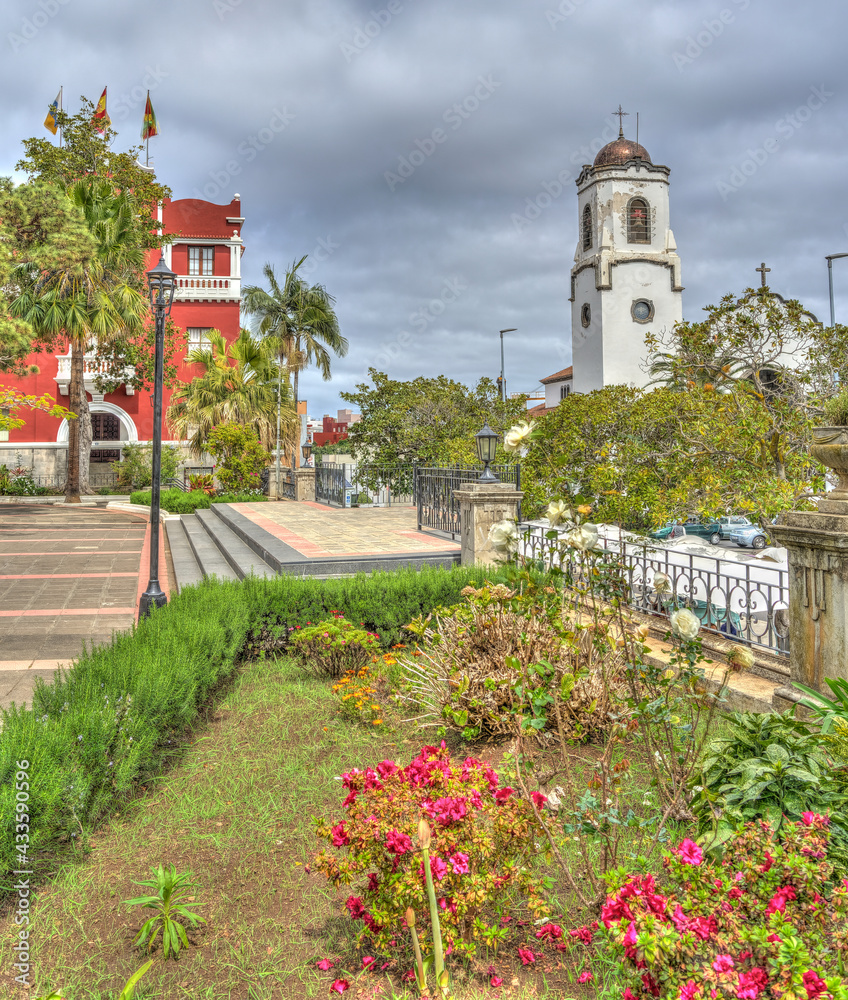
{"x": 539, "y": 799}
{"x": 325, "y": 964}
{"x": 438, "y": 868}
{"x": 373, "y": 882}
{"x": 354, "y": 905}
{"x": 582, "y": 934}
{"x": 751, "y": 984}
{"x": 340, "y": 837}
{"x": 813, "y": 984}
{"x": 459, "y": 863}
{"x": 386, "y": 768}
{"x": 814, "y": 819}
{"x": 723, "y": 963}
{"x": 398, "y": 843}
{"x": 779, "y": 900}
{"x": 775, "y": 939}
{"x": 527, "y": 957}
{"x": 769, "y": 861}
{"x": 339, "y": 986}
{"x": 689, "y": 852}
{"x": 552, "y": 932}
{"x": 368, "y": 961}
{"x": 408, "y": 976}
{"x": 689, "y": 990}
{"x": 628, "y": 994}
{"x": 502, "y": 794}
{"x": 496, "y": 981}
{"x": 585, "y": 977}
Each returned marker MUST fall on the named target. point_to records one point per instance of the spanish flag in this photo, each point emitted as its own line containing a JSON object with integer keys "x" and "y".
{"x": 50, "y": 120}
{"x": 100, "y": 115}
{"x": 149, "y": 127}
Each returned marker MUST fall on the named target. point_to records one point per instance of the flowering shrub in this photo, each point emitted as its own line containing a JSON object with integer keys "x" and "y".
{"x": 482, "y": 837}
{"x": 356, "y": 697}
{"x": 766, "y": 921}
{"x": 334, "y": 646}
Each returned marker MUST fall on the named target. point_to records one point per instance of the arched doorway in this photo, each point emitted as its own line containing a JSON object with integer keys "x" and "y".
{"x": 108, "y": 423}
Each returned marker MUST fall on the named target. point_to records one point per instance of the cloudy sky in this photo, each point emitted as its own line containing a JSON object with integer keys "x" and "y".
{"x": 321, "y": 114}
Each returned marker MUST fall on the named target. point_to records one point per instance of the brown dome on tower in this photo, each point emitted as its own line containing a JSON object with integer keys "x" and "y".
{"x": 619, "y": 151}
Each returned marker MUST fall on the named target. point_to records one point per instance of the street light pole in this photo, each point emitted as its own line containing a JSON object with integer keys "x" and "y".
{"x": 830, "y": 259}
{"x": 511, "y": 329}
{"x": 162, "y": 283}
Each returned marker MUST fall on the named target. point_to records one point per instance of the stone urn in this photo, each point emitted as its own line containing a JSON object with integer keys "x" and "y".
{"x": 830, "y": 447}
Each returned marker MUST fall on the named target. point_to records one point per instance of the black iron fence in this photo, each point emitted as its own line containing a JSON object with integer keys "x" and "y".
{"x": 746, "y": 601}
{"x": 331, "y": 484}
{"x": 438, "y": 509}
{"x": 286, "y": 489}
{"x": 382, "y": 485}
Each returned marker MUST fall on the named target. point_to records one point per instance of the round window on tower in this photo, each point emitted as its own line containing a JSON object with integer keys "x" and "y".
{"x": 585, "y": 315}
{"x": 642, "y": 310}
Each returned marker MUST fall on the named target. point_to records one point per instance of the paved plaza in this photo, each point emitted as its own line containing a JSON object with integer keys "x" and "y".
{"x": 69, "y": 576}
{"x": 316, "y": 530}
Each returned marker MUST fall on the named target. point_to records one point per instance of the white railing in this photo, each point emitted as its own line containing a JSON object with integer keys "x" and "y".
{"x": 190, "y": 287}
{"x": 92, "y": 367}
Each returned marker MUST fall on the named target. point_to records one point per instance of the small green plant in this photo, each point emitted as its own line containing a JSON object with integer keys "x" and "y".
{"x": 135, "y": 470}
{"x": 172, "y": 892}
{"x": 442, "y": 975}
{"x": 833, "y": 713}
{"x": 204, "y": 482}
{"x": 836, "y": 409}
{"x": 334, "y": 646}
{"x": 127, "y": 993}
{"x": 241, "y": 456}
{"x": 772, "y": 767}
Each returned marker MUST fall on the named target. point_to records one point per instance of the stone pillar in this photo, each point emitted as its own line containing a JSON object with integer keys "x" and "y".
{"x": 480, "y": 506}
{"x": 817, "y": 543}
{"x": 304, "y": 483}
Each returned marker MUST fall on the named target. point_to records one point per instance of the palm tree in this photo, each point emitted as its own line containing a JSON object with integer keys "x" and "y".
{"x": 298, "y": 320}
{"x": 95, "y": 301}
{"x": 240, "y": 383}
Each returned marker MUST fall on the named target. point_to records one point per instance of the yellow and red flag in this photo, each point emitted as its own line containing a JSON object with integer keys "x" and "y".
{"x": 100, "y": 116}
{"x": 149, "y": 126}
{"x": 50, "y": 120}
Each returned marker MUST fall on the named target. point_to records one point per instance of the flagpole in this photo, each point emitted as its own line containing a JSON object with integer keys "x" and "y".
{"x": 60, "y": 108}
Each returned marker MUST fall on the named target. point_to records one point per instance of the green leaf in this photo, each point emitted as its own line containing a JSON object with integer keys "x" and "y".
{"x": 777, "y": 754}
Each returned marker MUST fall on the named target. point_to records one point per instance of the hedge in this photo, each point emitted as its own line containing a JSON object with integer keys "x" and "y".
{"x": 98, "y": 730}
{"x": 174, "y": 501}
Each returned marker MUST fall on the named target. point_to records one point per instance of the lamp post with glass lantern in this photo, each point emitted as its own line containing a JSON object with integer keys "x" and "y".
{"x": 162, "y": 283}
{"x": 511, "y": 329}
{"x": 306, "y": 450}
{"x": 487, "y": 443}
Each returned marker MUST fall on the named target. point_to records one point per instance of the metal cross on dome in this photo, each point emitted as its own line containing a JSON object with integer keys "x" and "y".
{"x": 621, "y": 116}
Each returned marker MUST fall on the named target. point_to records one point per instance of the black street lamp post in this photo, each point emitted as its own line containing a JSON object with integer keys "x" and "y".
{"x": 306, "y": 449}
{"x": 487, "y": 443}
{"x": 162, "y": 283}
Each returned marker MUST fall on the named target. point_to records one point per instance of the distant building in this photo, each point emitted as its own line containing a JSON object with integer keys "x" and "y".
{"x": 206, "y": 255}
{"x": 558, "y": 387}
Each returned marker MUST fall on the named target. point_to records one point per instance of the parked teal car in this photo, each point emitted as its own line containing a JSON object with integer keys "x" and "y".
{"x": 692, "y": 525}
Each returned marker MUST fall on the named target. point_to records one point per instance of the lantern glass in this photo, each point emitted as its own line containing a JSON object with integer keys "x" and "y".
{"x": 161, "y": 285}
{"x": 487, "y": 444}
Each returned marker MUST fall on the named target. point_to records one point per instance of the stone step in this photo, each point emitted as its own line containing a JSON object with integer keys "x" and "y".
{"x": 209, "y": 557}
{"x": 242, "y": 559}
{"x": 186, "y": 567}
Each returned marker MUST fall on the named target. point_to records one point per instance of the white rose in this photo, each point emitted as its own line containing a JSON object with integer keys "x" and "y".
{"x": 685, "y": 624}
{"x": 584, "y": 537}
{"x": 662, "y": 584}
{"x": 517, "y": 437}
{"x": 558, "y": 511}
{"x": 503, "y": 536}
{"x": 740, "y": 658}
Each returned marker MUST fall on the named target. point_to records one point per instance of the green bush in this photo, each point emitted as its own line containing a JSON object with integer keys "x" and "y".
{"x": 253, "y": 496}
{"x": 101, "y": 728}
{"x": 174, "y": 501}
{"x": 135, "y": 470}
{"x": 241, "y": 456}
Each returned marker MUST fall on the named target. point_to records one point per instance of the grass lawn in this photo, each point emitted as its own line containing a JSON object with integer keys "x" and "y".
{"x": 235, "y": 808}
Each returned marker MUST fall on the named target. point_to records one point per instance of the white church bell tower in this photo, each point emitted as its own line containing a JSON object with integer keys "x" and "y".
{"x": 626, "y": 280}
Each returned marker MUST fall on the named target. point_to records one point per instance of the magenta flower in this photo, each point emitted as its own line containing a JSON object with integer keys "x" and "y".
{"x": 355, "y": 907}
{"x": 689, "y": 990}
{"x": 583, "y": 934}
{"x": 779, "y": 900}
{"x": 689, "y": 852}
{"x": 585, "y": 977}
{"x": 438, "y": 868}
{"x": 496, "y": 981}
{"x": 340, "y": 837}
{"x": 814, "y": 819}
{"x": 368, "y": 961}
{"x": 723, "y": 963}
{"x": 502, "y": 794}
{"x": 459, "y": 863}
{"x": 751, "y": 984}
{"x": 325, "y": 964}
{"x": 398, "y": 843}
{"x": 526, "y": 955}
{"x": 539, "y": 799}
{"x": 813, "y": 984}
{"x": 552, "y": 932}
{"x": 339, "y": 986}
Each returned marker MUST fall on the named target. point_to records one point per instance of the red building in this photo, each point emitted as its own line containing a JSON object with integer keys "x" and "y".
{"x": 206, "y": 255}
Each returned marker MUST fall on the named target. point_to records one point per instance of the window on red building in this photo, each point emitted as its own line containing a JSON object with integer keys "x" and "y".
{"x": 201, "y": 260}
{"x": 198, "y": 336}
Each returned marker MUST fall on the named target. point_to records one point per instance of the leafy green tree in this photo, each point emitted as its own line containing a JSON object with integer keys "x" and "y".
{"x": 771, "y": 361}
{"x": 241, "y": 456}
{"x": 641, "y": 457}
{"x": 100, "y": 300}
{"x": 432, "y": 420}
{"x": 297, "y": 320}
{"x": 238, "y": 384}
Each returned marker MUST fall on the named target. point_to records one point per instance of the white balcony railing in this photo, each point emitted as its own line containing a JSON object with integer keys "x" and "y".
{"x": 214, "y": 289}
{"x": 92, "y": 367}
